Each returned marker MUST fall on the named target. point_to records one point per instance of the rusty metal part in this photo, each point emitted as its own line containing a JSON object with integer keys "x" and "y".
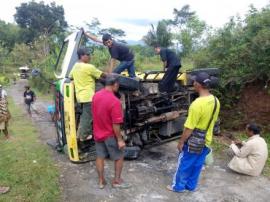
{"x": 163, "y": 117}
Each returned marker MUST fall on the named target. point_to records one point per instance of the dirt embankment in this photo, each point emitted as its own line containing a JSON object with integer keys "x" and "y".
{"x": 253, "y": 106}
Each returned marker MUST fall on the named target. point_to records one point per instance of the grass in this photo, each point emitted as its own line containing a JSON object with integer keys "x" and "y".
{"x": 154, "y": 63}
{"x": 43, "y": 96}
{"x": 25, "y": 163}
{"x": 217, "y": 145}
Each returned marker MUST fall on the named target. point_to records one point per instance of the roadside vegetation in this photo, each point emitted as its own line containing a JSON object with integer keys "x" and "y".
{"x": 26, "y": 164}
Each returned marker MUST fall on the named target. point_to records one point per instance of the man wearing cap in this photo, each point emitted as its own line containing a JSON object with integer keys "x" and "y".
{"x": 85, "y": 76}
{"x": 197, "y": 136}
{"x": 107, "y": 134}
{"x": 171, "y": 65}
{"x": 118, "y": 52}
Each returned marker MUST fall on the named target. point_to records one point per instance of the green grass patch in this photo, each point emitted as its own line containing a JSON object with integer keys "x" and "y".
{"x": 48, "y": 95}
{"x": 26, "y": 165}
{"x": 217, "y": 145}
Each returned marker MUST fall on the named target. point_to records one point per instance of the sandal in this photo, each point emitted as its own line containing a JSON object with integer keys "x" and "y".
{"x": 89, "y": 137}
{"x": 102, "y": 185}
{"x": 120, "y": 185}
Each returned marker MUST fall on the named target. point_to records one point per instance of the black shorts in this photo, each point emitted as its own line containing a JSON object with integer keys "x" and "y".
{"x": 109, "y": 148}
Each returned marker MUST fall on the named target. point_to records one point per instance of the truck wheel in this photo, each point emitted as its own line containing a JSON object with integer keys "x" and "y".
{"x": 60, "y": 124}
{"x": 127, "y": 83}
{"x": 210, "y": 71}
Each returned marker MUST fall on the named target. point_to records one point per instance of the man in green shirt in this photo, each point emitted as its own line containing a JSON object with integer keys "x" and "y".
{"x": 85, "y": 76}
{"x": 197, "y": 136}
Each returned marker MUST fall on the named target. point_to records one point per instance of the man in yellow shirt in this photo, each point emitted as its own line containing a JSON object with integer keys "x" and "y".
{"x": 197, "y": 136}
{"x": 85, "y": 76}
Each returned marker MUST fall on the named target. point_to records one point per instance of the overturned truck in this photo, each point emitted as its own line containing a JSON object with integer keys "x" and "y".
{"x": 150, "y": 117}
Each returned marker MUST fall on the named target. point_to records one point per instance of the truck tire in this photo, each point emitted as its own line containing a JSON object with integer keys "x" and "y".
{"x": 210, "y": 71}
{"x": 125, "y": 83}
{"x": 60, "y": 123}
{"x": 214, "y": 72}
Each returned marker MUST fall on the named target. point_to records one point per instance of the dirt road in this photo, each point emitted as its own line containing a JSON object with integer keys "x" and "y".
{"x": 148, "y": 175}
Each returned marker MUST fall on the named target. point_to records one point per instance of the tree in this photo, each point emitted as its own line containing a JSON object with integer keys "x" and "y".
{"x": 182, "y": 16}
{"x": 160, "y": 35}
{"x": 116, "y": 33}
{"x": 189, "y": 29}
{"x": 95, "y": 28}
{"x": 241, "y": 49}
{"x": 40, "y": 19}
{"x": 9, "y": 35}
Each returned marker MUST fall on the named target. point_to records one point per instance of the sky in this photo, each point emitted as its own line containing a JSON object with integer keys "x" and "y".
{"x": 135, "y": 17}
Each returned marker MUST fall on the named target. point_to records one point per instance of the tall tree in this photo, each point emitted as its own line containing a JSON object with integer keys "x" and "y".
{"x": 9, "y": 35}
{"x": 95, "y": 27}
{"x": 182, "y": 16}
{"x": 189, "y": 29}
{"x": 160, "y": 35}
{"x": 40, "y": 19}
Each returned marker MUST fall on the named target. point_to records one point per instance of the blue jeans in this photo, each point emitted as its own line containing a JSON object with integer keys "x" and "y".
{"x": 129, "y": 65}
{"x": 188, "y": 169}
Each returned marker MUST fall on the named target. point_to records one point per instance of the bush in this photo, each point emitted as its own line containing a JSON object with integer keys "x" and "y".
{"x": 4, "y": 80}
{"x": 242, "y": 50}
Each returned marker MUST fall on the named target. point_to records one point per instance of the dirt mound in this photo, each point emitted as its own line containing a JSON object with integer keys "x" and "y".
{"x": 255, "y": 104}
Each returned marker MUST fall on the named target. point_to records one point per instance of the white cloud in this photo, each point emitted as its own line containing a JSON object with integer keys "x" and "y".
{"x": 123, "y": 13}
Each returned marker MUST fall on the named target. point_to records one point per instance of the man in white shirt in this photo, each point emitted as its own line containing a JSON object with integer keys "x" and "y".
{"x": 251, "y": 157}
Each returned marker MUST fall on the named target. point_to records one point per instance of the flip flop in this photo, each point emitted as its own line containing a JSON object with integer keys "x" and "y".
{"x": 89, "y": 137}
{"x": 169, "y": 188}
{"x": 102, "y": 185}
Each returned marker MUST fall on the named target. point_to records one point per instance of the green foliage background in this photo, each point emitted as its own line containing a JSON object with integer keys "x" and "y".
{"x": 241, "y": 49}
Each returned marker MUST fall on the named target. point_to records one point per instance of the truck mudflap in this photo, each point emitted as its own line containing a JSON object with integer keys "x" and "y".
{"x": 70, "y": 124}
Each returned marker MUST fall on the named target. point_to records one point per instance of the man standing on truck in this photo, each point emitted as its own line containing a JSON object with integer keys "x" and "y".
{"x": 107, "y": 118}
{"x": 85, "y": 76}
{"x": 118, "y": 52}
{"x": 171, "y": 66}
{"x": 197, "y": 136}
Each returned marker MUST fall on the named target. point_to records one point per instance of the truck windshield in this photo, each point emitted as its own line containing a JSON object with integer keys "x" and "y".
{"x": 61, "y": 55}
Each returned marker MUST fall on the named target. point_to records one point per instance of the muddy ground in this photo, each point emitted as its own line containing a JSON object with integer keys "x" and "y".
{"x": 148, "y": 175}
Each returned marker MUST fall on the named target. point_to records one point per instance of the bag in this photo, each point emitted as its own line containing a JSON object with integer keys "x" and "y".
{"x": 196, "y": 141}
{"x": 209, "y": 160}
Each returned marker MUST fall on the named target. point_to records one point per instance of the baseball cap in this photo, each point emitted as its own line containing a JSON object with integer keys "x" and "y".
{"x": 106, "y": 37}
{"x": 111, "y": 79}
{"x": 83, "y": 51}
{"x": 202, "y": 78}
